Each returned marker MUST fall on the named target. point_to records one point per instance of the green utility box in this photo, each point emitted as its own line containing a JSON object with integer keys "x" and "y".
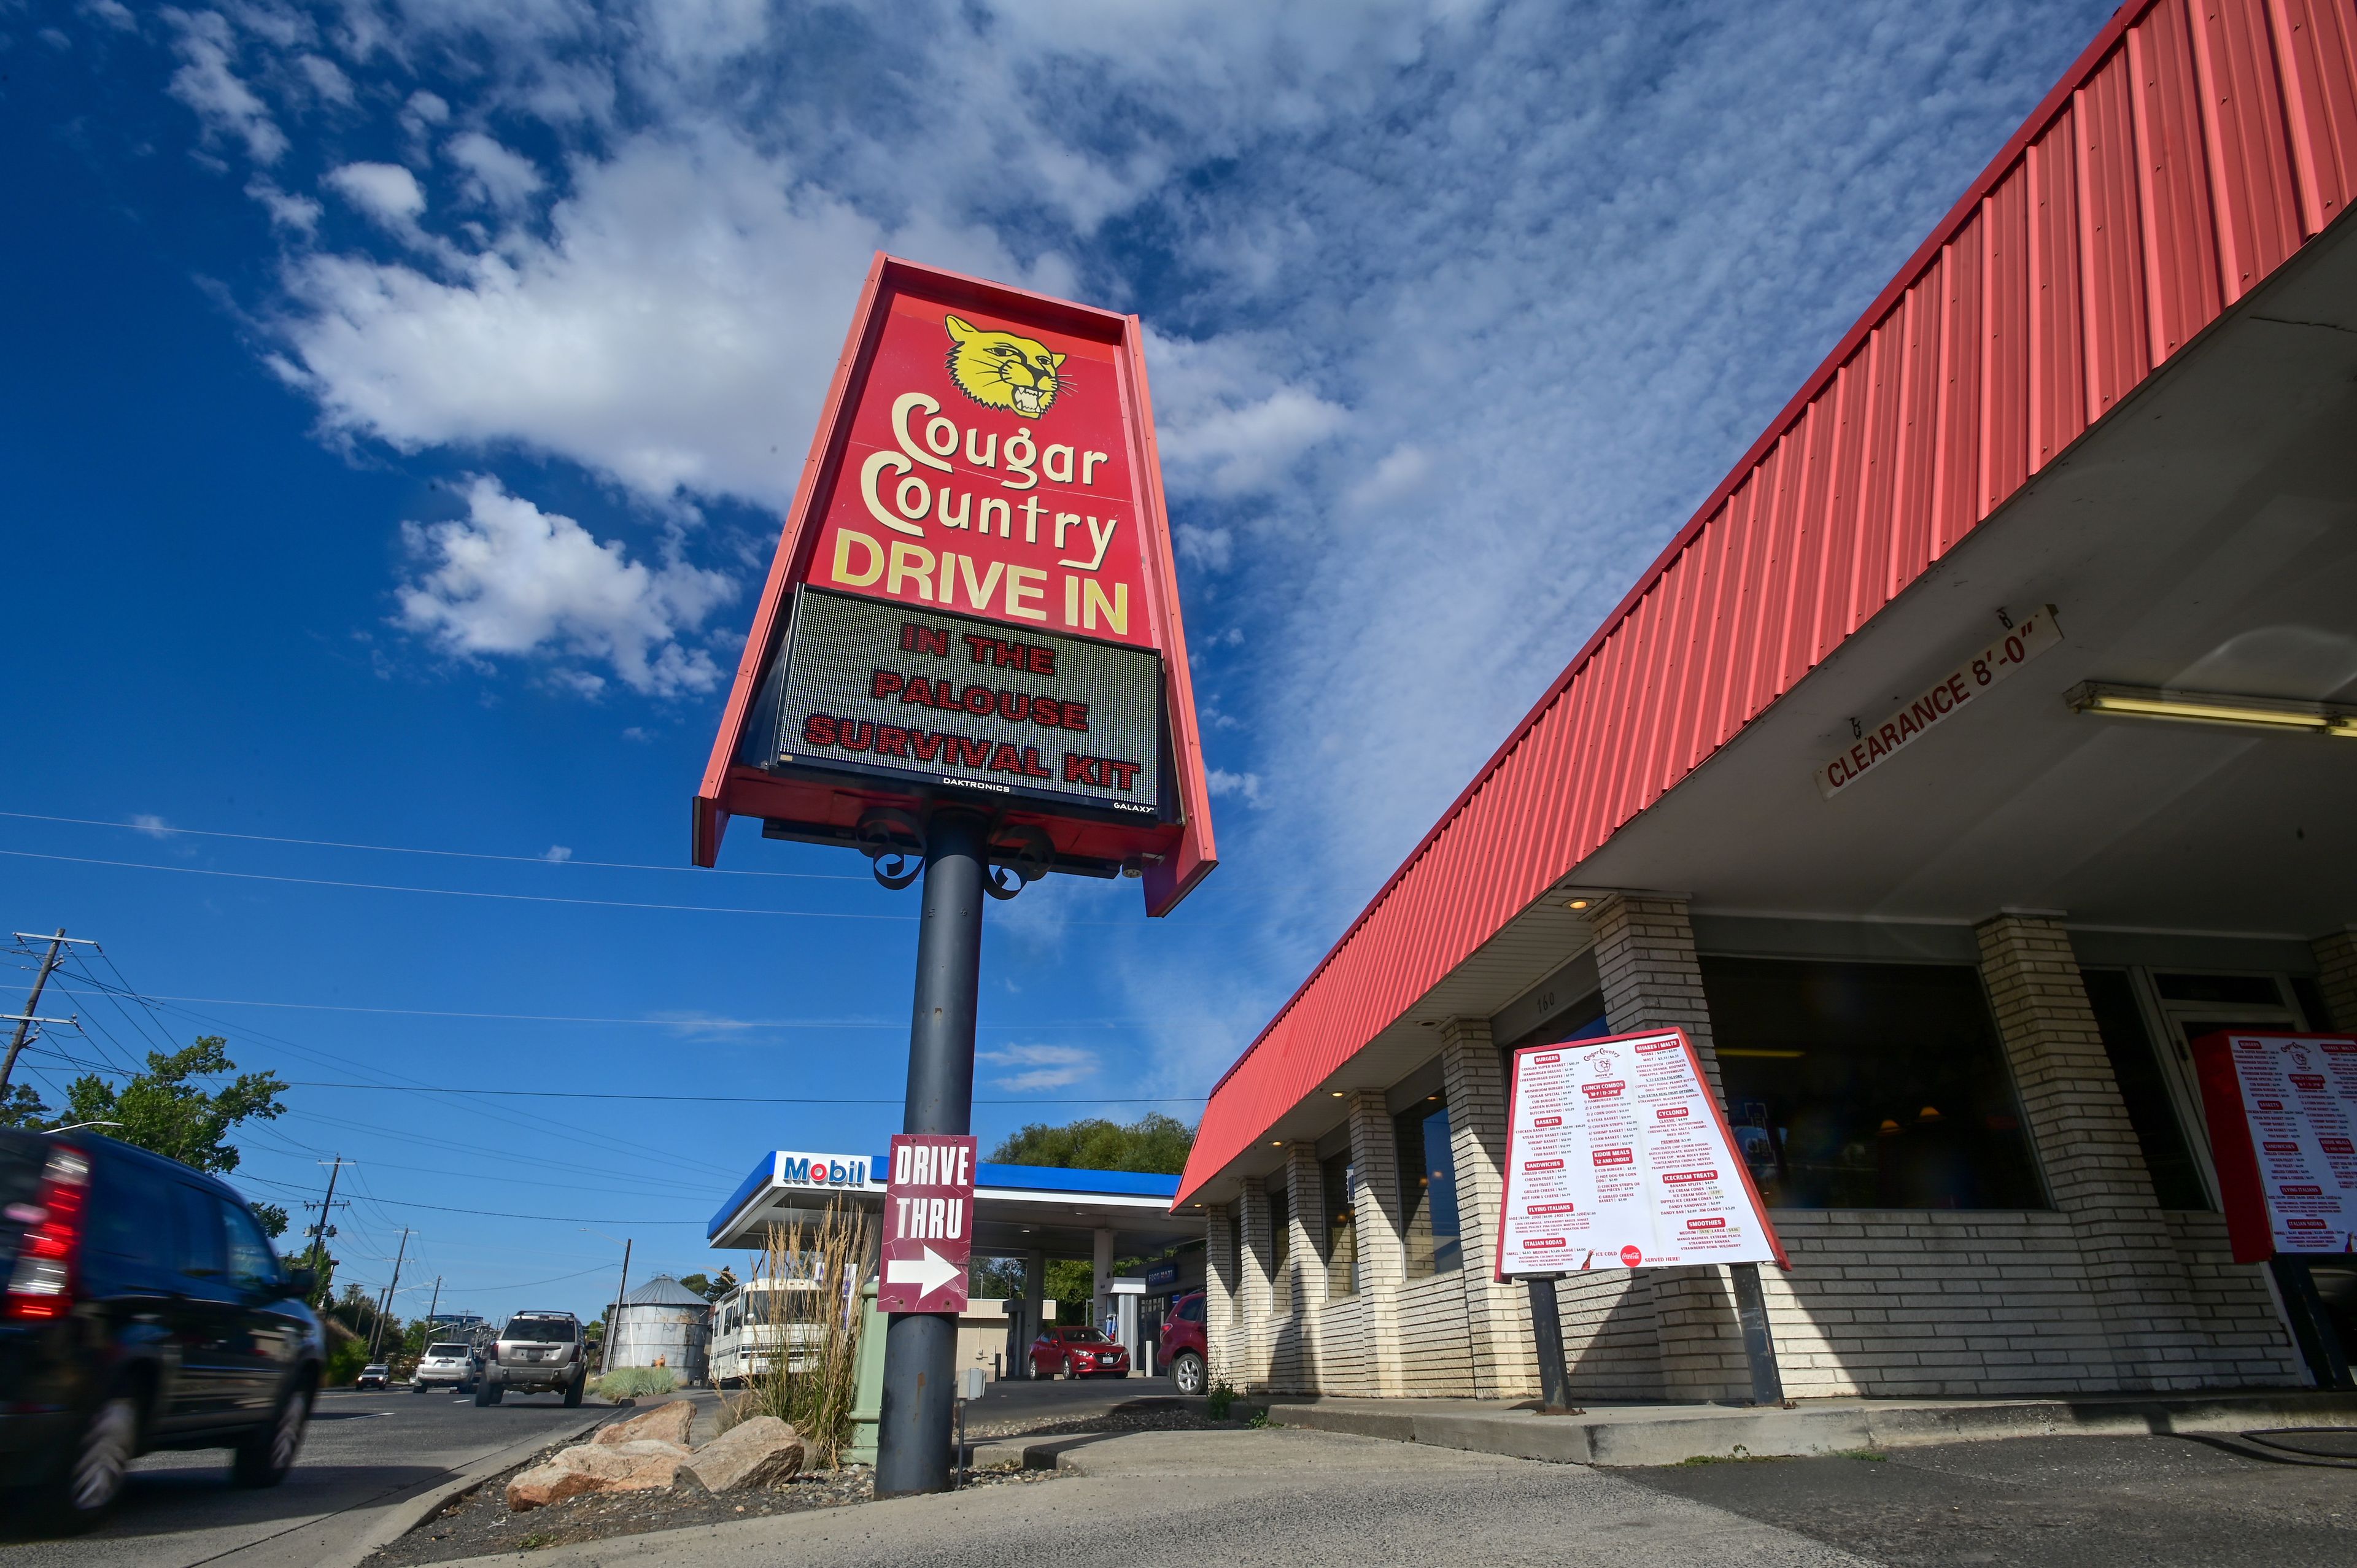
{"x": 868, "y": 1404}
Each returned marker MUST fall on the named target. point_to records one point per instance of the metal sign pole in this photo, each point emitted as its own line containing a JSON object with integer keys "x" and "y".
{"x": 913, "y": 1449}
{"x": 1758, "y": 1344}
{"x": 1546, "y": 1334}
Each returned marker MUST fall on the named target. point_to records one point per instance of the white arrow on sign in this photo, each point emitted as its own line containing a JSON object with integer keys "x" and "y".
{"x": 927, "y": 1273}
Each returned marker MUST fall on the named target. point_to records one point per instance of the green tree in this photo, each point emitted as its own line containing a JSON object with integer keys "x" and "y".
{"x": 20, "y": 1106}
{"x": 1154, "y": 1142}
{"x": 162, "y": 1110}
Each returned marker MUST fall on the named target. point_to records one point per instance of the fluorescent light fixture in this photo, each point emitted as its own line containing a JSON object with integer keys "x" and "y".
{"x": 2284, "y": 715}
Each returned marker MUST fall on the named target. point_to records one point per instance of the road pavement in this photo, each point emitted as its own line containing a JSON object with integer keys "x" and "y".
{"x": 362, "y": 1453}
{"x": 1292, "y": 1499}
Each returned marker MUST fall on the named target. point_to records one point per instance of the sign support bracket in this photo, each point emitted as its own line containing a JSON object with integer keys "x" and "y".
{"x": 1546, "y": 1336}
{"x": 1759, "y": 1343}
{"x": 913, "y": 1449}
{"x": 2311, "y": 1326}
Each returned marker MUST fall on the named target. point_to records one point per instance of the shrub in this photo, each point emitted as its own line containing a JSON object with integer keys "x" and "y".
{"x": 810, "y": 1379}
{"x": 637, "y": 1383}
{"x": 344, "y": 1363}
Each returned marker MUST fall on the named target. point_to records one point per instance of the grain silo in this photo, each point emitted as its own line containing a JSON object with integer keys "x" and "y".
{"x": 663, "y": 1323}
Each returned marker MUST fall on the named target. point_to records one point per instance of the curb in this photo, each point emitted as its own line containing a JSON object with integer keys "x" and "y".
{"x": 398, "y": 1520}
{"x": 1674, "y": 1437}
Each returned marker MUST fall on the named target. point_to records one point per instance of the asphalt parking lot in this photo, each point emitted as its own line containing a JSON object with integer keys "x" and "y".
{"x": 362, "y": 1451}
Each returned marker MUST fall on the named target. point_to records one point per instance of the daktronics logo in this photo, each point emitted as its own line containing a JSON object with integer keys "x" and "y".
{"x": 1674, "y": 1177}
{"x": 1669, "y": 1112}
{"x": 1607, "y": 1091}
{"x": 1706, "y": 1224}
{"x": 822, "y": 1170}
{"x": 1542, "y": 1165}
{"x": 1615, "y": 1157}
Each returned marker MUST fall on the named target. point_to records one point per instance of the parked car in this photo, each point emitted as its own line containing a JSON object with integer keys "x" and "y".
{"x": 1077, "y": 1352}
{"x": 450, "y": 1365}
{"x": 1181, "y": 1350}
{"x": 375, "y": 1375}
{"x": 144, "y": 1308}
{"x": 537, "y": 1352}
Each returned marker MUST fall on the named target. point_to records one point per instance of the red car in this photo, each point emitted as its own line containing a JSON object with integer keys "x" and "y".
{"x": 1182, "y": 1352}
{"x": 1078, "y": 1351}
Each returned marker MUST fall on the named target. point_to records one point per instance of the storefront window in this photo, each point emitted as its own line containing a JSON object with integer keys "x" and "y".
{"x": 2176, "y": 1180}
{"x": 1280, "y": 1229}
{"x": 1427, "y": 1188}
{"x": 1341, "y": 1228}
{"x": 1867, "y": 1085}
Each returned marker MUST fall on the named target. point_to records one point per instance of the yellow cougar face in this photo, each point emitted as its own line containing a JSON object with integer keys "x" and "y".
{"x": 1000, "y": 369}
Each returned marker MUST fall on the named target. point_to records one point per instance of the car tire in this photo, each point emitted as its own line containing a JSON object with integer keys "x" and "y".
{"x": 1187, "y": 1373}
{"x": 574, "y": 1389}
{"x": 268, "y": 1452}
{"x": 92, "y": 1482}
{"x": 488, "y": 1392}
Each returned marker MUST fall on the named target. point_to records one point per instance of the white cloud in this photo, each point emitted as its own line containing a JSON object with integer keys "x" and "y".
{"x": 328, "y": 81}
{"x": 386, "y": 192}
{"x": 512, "y": 579}
{"x": 1244, "y": 786}
{"x": 1042, "y": 1067}
{"x": 556, "y": 854}
{"x": 496, "y": 177}
{"x": 1199, "y": 544}
{"x": 207, "y": 83}
{"x": 153, "y": 826}
{"x": 296, "y": 214}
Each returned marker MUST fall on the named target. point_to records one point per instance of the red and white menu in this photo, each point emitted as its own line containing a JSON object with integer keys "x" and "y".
{"x": 1619, "y": 1156}
{"x": 2282, "y": 1111}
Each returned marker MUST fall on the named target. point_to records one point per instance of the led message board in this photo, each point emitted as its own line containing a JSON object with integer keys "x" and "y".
{"x": 866, "y": 687}
{"x": 984, "y": 467}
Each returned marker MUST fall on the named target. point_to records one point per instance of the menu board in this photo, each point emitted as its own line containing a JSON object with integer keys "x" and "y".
{"x": 2282, "y": 1111}
{"x": 1619, "y": 1156}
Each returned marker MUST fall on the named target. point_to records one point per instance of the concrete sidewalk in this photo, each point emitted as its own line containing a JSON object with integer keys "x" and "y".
{"x": 1668, "y": 1434}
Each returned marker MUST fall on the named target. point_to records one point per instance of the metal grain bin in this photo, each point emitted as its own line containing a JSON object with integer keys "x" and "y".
{"x": 663, "y": 1323}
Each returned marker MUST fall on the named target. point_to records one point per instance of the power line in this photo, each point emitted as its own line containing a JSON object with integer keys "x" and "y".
{"x": 652, "y": 1023}
{"x": 744, "y": 1098}
{"x": 158, "y": 830}
{"x": 457, "y": 892}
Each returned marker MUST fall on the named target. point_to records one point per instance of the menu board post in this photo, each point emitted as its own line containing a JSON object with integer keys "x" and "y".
{"x": 1619, "y": 1156}
{"x": 2282, "y": 1112}
{"x": 1547, "y": 1337}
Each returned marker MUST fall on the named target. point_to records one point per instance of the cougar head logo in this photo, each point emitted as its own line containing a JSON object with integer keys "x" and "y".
{"x": 999, "y": 369}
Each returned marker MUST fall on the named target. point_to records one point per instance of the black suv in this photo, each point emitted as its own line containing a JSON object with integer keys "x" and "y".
{"x": 144, "y": 1308}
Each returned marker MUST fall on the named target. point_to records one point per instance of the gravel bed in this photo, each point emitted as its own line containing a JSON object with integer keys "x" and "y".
{"x": 477, "y": 1522}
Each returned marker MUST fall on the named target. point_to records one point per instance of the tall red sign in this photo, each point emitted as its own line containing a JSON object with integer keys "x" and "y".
{"x": 974, "y": 597}
{"x": 928, "y": 1223}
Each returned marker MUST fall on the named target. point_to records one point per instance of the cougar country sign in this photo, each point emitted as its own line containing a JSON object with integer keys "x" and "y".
{"x": 973, "y": 596}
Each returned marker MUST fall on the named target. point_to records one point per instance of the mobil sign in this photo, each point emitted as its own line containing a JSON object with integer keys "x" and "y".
{"x": 927, "y": 1230}
{"x": 974, "y": 600}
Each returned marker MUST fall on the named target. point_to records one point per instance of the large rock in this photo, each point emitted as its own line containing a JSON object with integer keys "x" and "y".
{"x": 669, "y": 1422}
{"x": 761, "y": 1452}
{"x": 640, "y": 1465}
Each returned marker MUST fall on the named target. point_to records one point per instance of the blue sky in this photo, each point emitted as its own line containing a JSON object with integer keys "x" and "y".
{"x": 401, "y": 397}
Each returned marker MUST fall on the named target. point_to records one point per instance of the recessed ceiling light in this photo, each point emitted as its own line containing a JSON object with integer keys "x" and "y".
{"x": 1276, "y": 1142}
{"x": 1577, "y": 904}
{"x": 1337, "y": 1093}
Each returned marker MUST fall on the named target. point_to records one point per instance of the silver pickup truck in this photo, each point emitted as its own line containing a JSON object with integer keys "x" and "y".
{"x": 537, "y": 1353}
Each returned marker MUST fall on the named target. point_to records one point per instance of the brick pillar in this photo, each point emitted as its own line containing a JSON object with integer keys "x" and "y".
{"x": 1382, "y": 1250}
{"x": 1645, "y": 963}
{"x": 1222, "y": 1276}
{"x": 1255, "y": 1304}
{"x": 1498, "y": 1316}
{"x": 2336, "y": 976}
{"x": 2095, "y": 1167}
{"x": 1305, "y": 1261}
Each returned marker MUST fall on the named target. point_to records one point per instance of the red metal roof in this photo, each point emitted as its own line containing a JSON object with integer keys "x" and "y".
{"x": 2186, "y": 154}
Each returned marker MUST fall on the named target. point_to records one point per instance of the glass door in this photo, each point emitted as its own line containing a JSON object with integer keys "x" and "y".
{"x": 2184, "y": 1006}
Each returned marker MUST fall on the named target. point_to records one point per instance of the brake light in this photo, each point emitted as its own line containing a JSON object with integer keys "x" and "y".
{"x": 41, "y": 1287}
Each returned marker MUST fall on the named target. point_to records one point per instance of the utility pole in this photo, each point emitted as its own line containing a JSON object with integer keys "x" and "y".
{"x": 614, "y": 1318}
{"x": 320, "y": 1231}
{"x": 27, "y": 1019}
{"x": 436, "y": 1306}
{"x": 378, "y": 1337}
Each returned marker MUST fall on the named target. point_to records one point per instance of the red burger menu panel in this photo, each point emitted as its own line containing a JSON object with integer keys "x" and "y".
{"x": 1618, "y": 1156}
{"x": 2282, "y": 1111}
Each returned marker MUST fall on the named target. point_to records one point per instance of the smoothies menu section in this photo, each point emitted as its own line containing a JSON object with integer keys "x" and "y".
{"x": 1619, "y": 1158}
{"x": 2283, "y": 1114}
